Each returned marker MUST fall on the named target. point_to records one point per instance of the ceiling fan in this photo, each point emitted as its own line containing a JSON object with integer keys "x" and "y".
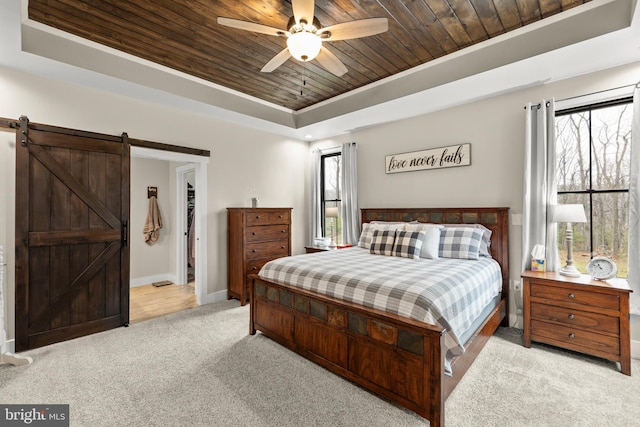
{"x": 305, "y": 35}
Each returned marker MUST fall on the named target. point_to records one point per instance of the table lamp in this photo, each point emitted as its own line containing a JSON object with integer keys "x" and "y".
{"x": 331, "y": 213}
{"x": 569, "y": 214}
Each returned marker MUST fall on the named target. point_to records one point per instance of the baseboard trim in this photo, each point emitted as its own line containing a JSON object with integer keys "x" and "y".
{"x": 213, "y": 297}
{"x": 141, "y": 281}
{"x": 10, "y": 346}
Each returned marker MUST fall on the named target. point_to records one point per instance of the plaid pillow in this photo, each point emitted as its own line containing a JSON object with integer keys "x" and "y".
{"x": 408, "y": 244}
{"x": 485, "y": 246}
{"x": 382, "y": 242}
{"x": 460, "y": 242}
{"x": 368, "y": 229}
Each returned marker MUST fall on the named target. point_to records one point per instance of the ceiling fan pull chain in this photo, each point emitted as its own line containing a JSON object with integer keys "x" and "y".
{"x": 303, "y": 78}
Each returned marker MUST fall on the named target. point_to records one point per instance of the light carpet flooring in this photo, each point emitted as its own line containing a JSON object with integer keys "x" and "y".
{"x": 199, "y": 367}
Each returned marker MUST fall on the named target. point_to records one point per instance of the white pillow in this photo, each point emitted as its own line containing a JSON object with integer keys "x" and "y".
{"x": 431, "y": 242}
{"x": 368, "y": 228}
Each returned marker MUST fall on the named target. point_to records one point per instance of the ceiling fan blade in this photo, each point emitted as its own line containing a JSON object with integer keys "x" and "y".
{"x": 303, "y": 10}
{"x": 250, "y": 26}
{"x": 354, "y": 29}
{"x": 276, "y": 61}
{"x": 331, "y": 62}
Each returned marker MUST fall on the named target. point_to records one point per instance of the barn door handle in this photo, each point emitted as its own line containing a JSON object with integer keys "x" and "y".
{"x": 125, "y": 233}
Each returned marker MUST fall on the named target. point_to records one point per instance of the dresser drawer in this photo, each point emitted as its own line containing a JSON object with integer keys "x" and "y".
{"x": 254, "y": 265}
{"x": 576, "y": 318}
{"x": 283, "y": 217}
{"x": 258, "y": 233}
{"x": 571, "y": 296}
{"x": 574, "y": 339}
{"x": 268, "y": 217}
{"x": 273, "y": 249}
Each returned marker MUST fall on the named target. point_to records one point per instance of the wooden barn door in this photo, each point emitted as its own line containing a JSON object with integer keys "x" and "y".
{"x": 72, "y": 258}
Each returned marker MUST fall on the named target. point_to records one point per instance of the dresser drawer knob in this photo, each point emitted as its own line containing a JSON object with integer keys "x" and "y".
{"x": 257, "y": 216}
{"x": 254, "y": 233}
{"x": 283, "y": 246}
{"x": 283, "y": 231}
{"x": 572, "y": 336}
{"x": 571, "y": 296}
{"x": 254, "y": 251}
{"x": 255, "y": 268}
{"x": 571, "y": 316}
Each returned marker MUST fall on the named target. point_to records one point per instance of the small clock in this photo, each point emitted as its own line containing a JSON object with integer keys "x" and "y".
{"x": 602, "y": 268}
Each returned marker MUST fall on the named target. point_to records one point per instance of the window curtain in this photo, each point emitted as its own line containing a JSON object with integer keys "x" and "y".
{"x": 349, "y": 198}
{"x": 315, "y": 221}
{"x": 633, "y": 275}
{"x": 540, "y": 184}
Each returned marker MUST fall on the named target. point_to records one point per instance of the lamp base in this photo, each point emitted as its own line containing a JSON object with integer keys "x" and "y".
{"x": 570, "y": 270}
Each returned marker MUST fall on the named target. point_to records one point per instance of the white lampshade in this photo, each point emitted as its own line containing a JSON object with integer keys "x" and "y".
{"x": 304, "y": 46}
{"x": 568, "y": 213}
{"x": 331, "y": 212}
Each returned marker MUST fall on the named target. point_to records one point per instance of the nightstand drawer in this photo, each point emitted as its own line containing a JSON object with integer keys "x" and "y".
{"x": 574, "y": 339}
{"x": 576, "y": 318}
{"x": 564, "y": 295}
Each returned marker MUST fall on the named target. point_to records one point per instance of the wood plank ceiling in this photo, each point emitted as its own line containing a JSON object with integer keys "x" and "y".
{"x": 184, "y": 35}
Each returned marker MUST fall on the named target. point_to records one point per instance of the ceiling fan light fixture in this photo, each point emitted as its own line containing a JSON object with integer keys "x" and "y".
{"x": 304, "y": 46}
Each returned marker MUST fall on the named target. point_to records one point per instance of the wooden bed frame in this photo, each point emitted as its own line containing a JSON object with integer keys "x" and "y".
{"x": 400, "y": 359}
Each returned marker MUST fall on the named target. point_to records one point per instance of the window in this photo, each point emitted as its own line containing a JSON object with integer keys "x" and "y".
{"x": 593, "y": 160}
{"x": 330, "y": 170}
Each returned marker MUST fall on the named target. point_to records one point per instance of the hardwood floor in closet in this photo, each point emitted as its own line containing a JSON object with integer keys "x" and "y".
{"x": 147, "y": 302}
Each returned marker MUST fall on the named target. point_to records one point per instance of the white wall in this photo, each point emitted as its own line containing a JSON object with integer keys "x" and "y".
{"x": 151, "y": 263}
{"x": 495, "y": 129}
{"x": 7, "y": 221}
{"x": 244, "y": 162}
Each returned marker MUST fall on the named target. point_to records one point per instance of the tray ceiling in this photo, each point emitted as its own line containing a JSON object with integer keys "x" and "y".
{"x": 183, "y": 35}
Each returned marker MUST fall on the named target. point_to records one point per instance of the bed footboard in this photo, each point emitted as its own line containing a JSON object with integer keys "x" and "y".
{"x": 397, "y": 358}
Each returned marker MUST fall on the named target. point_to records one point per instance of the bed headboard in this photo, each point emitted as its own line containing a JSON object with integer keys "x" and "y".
{"x": 495, "y": 219}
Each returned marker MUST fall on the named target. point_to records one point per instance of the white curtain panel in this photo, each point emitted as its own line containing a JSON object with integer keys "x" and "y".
{"x": 315, "y": 220}
{"x": 540, "y": 187}
{"x": 349, "y": 200}
{"x": 3, "y": 336}
{"x": 634, "y": 207}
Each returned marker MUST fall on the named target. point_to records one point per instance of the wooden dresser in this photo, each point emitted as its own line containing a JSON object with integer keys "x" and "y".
{"x": 255, "y": 236}
{"x": 578, "y": 313}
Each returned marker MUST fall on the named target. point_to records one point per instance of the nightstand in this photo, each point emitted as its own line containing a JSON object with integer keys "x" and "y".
{"x": 312, "y": 249}
{"x": 578, "y": 313}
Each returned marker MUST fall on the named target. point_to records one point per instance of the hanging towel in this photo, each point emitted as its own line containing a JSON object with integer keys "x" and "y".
{"x": 154, "y": 222}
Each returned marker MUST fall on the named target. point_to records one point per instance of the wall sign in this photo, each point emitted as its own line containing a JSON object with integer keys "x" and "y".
{"x": 435, "y": 158}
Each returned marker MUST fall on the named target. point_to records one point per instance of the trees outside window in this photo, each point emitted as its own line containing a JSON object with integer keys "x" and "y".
{"x": 593, "y": 163}
{"x": 330, "y": 195}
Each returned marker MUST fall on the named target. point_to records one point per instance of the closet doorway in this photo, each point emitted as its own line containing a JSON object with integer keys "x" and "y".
{"x": 197, "y": 164}
{"x": 186, "y": 197}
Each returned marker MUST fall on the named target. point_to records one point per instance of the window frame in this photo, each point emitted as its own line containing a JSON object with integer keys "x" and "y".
{"x": 590, "y": 192}
{"x": 324, "y": 201}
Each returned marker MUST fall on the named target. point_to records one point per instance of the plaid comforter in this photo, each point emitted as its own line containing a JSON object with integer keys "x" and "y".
{"x": 448, "y": 292}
